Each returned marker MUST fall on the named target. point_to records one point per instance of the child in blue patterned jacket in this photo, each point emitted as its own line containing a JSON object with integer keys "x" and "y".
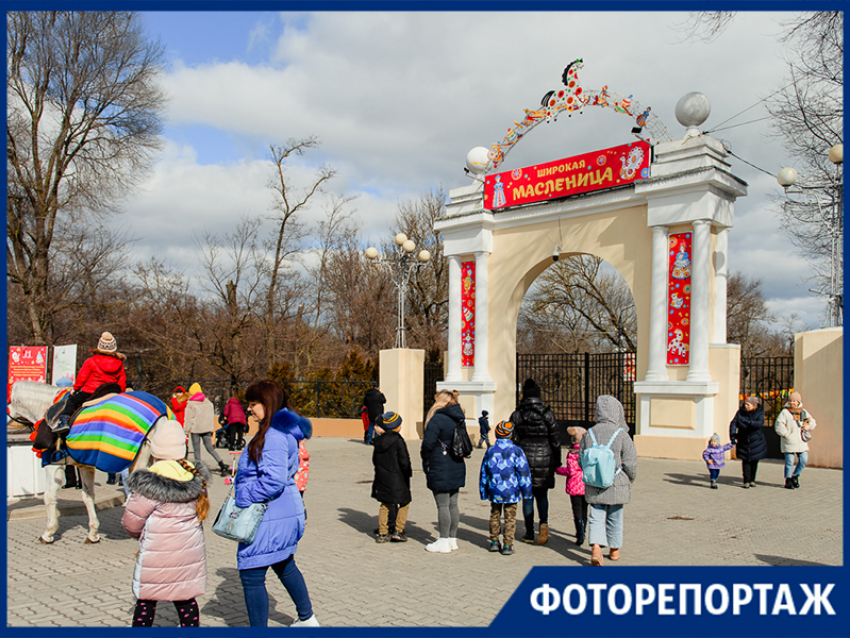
{"x": 715, "y": 457}
{"x": 505, "y": 481}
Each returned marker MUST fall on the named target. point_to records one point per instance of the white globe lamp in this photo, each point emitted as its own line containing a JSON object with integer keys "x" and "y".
{"x": 477, "y": 160}
{"x": 692, "y": 110}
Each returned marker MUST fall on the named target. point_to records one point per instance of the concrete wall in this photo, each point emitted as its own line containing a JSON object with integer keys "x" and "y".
{"x": 819, "y": 378}
{"x": 402, "y": 382}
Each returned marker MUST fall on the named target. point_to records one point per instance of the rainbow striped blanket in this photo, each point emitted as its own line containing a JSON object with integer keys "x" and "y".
{"x": 108, "y": 435}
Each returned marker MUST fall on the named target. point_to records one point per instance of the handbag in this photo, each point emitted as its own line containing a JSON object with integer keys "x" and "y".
{"x": 805, "y": 435}
{"x": 239, "y": 523}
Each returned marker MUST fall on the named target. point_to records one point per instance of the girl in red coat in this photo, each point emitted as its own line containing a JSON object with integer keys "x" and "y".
{"x": 575, "y": 483}
{"x": 106, "y": 365}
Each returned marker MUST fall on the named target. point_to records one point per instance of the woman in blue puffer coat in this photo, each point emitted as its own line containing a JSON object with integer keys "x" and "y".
{"x": 265, "y": 474}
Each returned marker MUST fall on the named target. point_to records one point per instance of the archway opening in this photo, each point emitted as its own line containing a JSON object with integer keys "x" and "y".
{"x": 577, "y": 337}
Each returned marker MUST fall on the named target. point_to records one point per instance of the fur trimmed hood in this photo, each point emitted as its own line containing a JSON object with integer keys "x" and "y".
{"x": 289, "y": 422}
{"x": 168, "y": 490}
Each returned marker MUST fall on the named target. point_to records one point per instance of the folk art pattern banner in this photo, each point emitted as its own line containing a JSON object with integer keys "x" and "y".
{"x": 579, "y": 174}
{"x": 467, "y": 313}
{"x": 679, "y": 299}
{"x": 27, "y": 363}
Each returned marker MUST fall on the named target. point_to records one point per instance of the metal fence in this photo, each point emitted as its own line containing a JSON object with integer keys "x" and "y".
{"x": 570, "y": 383}
{"x": 433, "y": 374}
{"x": 316, "y": 399}
{"x": 771, "y": 379}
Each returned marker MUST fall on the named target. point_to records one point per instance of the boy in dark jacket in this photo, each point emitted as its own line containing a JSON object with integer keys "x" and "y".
{"x": 392, "y": 478}
{"x": 484, "y": 428}
{"x": 505, "y": 481}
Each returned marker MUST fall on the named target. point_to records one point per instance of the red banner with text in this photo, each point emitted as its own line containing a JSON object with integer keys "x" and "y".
{"x": 27, "y": 363}
{"x": 570, "y": 176}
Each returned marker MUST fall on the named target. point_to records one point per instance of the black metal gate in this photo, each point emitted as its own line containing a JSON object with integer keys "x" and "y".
{"x": 433, "y": 374}
{"x": 771, "y": 379}
{"x": 570, "y": 384}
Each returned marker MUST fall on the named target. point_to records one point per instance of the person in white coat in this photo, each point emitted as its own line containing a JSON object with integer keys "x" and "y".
{"x": 198, "y": 423}
{"x": 791, "y": 424}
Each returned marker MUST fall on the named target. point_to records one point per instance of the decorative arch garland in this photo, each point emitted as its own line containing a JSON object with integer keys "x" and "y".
{"x": 573, "y": 97}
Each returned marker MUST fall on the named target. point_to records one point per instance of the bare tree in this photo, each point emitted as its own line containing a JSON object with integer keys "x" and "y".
{"x": 428, "y": 294}
{"x": 579, "y": 306}
{"x": 289, "y": 228}
{"x": 705, "y": 25}
{"x": 83, "y": 120}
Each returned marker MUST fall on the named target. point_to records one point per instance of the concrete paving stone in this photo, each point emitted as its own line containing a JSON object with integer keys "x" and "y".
{"x": 673, "y": 519}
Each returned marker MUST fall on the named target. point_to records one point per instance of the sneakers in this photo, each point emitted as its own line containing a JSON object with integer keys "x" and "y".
{"x": 382, "y": 538}
{"x": 528, "y": 538}
{"x": 543, "y": 536}
{"x": 398, "y": 537}
{"x": 614, "y": 554}
{"x": 752, "y": 484}
{"x": 453, "y": 544}
{"x": 495, "y": 547}
{"x": 223, "y": 469}
{"x": 310, "y": 622}
{"x": 439, "y": 546}
{"x": 507, "y": 550}
{"x": 714, "y": 485}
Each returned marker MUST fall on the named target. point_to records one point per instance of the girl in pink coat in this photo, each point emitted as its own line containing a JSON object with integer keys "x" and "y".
{"x": 575, "y": 483}
{"x": 164, "y": 511}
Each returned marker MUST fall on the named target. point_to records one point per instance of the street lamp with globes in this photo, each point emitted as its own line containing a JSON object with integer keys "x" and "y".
{"x": 834, "y": 222}
{"x": 401, "y": 263}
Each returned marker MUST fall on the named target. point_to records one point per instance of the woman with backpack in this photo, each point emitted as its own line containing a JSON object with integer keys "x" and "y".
{"x": 445, "y": 474}
{"x": 605, "y": 521}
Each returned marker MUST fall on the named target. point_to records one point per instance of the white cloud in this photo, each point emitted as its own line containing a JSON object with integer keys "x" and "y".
{"x": 397, "y": 99}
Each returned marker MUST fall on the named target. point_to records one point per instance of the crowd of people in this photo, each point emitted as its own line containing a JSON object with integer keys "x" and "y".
{"x": 167, "y": 501}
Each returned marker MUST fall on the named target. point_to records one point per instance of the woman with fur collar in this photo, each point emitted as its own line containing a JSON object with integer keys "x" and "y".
{"x": 166, "y": 506}
{"x": 265, "y": 474}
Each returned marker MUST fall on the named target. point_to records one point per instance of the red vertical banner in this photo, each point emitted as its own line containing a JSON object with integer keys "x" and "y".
{"x": 467, "y": 313}
{"x": 679, "y": 299}
{"x": 27, "y": 363}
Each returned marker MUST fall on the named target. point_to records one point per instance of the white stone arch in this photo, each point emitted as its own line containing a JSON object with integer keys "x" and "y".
{"x": 690, "y": 189}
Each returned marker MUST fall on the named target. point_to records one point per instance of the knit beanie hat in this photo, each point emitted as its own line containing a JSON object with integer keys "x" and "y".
{"x": 576, "y": 432}
{"x": 530, "y": 389}
{"x": 107, "y": 343}
{"x": 795, "y": 396}
{"x": 504, "y": 429}
{"x": 391, "y": 421}
{"x": 180, "y": 389}
{"x": 168, "y": 442}
{"x": 714, "y": 437}
{"x": 753, "y": 401}
{"x": 194, "y": 389}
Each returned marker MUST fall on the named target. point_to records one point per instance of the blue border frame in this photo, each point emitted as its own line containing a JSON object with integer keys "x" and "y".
{"x": 517, "y": 618}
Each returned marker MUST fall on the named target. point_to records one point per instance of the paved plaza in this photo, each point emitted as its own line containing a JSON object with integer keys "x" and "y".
{"x": 673, "y": 519}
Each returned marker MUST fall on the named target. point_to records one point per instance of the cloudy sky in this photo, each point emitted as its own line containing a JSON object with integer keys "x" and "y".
{"x": 397, "y": 100}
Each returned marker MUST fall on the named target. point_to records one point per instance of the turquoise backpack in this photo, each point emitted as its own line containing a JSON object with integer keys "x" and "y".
{"x": 598, "y": 465}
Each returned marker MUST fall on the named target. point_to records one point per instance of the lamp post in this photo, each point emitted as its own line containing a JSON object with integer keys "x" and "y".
{"x": 401, "y": 263}
{"x": 834, "y": 222}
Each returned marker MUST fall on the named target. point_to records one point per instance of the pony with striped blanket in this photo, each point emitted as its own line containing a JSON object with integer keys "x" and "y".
{"x": 110, "y": 434}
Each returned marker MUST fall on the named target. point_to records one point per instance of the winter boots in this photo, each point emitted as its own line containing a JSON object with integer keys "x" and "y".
{"x": 225, "y": 470}
{"x": 543, "y": 536}
{"x": 789, "y": 484}
{"x": 581, "y": 531}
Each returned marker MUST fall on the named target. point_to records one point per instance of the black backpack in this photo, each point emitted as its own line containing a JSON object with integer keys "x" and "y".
{"x": 461, "y": 447}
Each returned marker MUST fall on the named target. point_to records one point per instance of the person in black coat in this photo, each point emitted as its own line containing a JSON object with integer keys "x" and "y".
{"x": 391, "y": 486}
{"x": 747, "y": 432}
{"x": 445, "y": 475}
{"x": 536, "y": 432}
{"x": 374, "y": 401}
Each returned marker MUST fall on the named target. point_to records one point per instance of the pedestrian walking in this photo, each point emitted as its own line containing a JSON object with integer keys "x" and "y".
{"x": 198, "y": 422}
{"x": 302, "y": 476}
{"x": 746, "y": 431}
{"x": 794, "y": 426}
{"x": 391, "y": 485}
{"x": 445, "y": 475}
{"x": 505, "y": 480}
{"x": 605, "y": 520}
{"x": 715, "y": 458}
{"x": 536, "y": 432}
{"x": 374, "y": 401}
{"x": 575, "y": 483}
{"x": 178, "y": 403}
{"x": 484, "y": 429}
{"x": 266, "y": 474}
{"x": 165, "y": 509}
